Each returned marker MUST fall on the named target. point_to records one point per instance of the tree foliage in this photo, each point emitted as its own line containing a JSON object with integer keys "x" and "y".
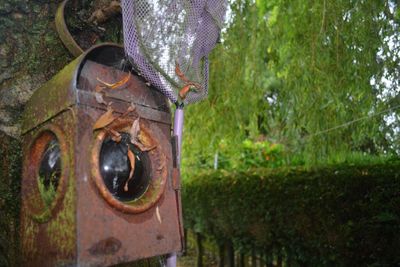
{"x": 319, "y": 77}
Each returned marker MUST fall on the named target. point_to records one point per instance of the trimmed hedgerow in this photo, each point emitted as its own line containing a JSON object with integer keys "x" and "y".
{"x": 330, "y": 216}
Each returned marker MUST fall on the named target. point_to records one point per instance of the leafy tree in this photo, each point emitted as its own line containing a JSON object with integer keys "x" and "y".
{"x": 238, "y": 74}
{"x": 337, "y": 63}
{"x": 319, "y": 77}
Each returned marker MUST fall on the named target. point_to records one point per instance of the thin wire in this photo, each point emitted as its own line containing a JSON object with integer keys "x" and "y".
{"x": 351, "y": 122}
{"x": 308, "y": 136}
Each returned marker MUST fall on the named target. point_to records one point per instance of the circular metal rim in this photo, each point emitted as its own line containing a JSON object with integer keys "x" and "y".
{"x": 158, "y": 174}
{"x": 42, "y": 213}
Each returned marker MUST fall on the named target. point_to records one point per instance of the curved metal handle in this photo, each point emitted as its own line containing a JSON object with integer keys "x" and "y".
{"x": 64, "y": 33}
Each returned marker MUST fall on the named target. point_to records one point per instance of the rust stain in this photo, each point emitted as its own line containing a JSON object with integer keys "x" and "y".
{"x": 107, "y": 246}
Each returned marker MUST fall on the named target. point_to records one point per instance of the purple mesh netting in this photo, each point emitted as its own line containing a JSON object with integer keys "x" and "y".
{"x": 161, "y": 34}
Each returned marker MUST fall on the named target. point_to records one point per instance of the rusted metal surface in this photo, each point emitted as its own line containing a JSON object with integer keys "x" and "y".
{"x": 136, "y": 89}
{"x": 36, "y": 147}
{"x": 53, "y": 97}
{"x": 75, "y": 85}
{"x": 48, "y": 233}
{"x": 86, "y": 225}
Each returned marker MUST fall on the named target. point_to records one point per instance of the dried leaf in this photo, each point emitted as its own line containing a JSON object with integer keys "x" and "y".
{"x": 99, "y": 98}
{"x": 188, "y": 83}
{"x": 130, "y": 109}
{"x": 180, "y": 73}
{"x": 115, "y": 136}
{"x": 134, "y": 131}
{"x": 127, "y": 111}
{"x": 105, "y": 119}
{"x": 99, "y": 88}
{"x": 148, "y": 144}
{"x": 138, "y": 139}
{"x": 184, "y": 91}
{"x": 117, "y": 84}
{"x": 158, "y": 215}
{"x": 131, "y": 157}
{"x": 133, "y": 106}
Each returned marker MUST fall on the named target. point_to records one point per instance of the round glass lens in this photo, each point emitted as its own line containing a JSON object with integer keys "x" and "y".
{"x": 50, "y": 171}
{"x": 115, "y": 169}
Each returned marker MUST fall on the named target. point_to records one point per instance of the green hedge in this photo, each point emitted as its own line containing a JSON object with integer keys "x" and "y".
{"x": 331, "y": 216}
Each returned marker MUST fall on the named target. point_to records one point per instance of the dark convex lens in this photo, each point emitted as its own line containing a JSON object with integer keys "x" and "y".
{"x": 50, "y": 166}
{"x": 115, "y": 168}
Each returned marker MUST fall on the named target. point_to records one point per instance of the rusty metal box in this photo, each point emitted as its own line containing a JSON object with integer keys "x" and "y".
{"x": 74, "y": 212}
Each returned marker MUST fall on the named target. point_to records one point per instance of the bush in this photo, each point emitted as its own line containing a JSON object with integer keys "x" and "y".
{"x": 330, "y": 216}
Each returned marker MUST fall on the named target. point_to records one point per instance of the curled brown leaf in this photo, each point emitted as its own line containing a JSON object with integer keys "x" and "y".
{"x": 99, "y": 88}
{"x": 147, "y": 143}
{"x": 115, "y": 136}
{"x": 184, "y": 91}
{"x": 139, "y": 139}
{"x": 180, "y": 73}
{"x": 116, "y": 84}
{"x": 105, "y": 119}
{"x": 131, "y": 157}
{"x": 134, "y": 131}
{"x": 99, "y": 98}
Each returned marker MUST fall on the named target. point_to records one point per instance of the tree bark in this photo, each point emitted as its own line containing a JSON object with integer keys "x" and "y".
{"x": 221, "y": 255}
{"x": 200, "y": 251}
{"x": 230, "y": 254}
{"x": 30, "y": 54}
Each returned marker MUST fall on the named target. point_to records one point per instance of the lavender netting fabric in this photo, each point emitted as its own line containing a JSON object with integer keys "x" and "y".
{"x": 162, "y": 34}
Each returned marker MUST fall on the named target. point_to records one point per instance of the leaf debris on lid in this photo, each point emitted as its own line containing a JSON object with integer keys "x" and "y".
{"x": 115, "y": 135}
{"x": 147, "y": 143}
{"x": 105, "y": 119}
{"x": 134, "y": 131}
{"x": 138, "y": 139}
{"x": 115, "y": 85}
{"x": 99, "y": 98}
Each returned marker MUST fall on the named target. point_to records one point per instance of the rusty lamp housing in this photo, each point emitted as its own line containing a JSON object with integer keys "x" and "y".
{"x": 74, "y": 211}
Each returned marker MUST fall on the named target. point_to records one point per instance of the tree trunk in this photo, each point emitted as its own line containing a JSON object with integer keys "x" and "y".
{"x": 253, "y": 258}
{"x": 241, "y": 259}
{"x": 199, "y": 248}
{"x": 221, "y": 255}
{"x": 231, "y": 254}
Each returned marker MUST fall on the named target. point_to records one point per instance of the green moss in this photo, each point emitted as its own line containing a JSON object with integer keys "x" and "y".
{"x": 61, "y": 229}
{"x": 47, "y": 193}
{"x": 53, "y": 96}
{"x": 30, "y": 231}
